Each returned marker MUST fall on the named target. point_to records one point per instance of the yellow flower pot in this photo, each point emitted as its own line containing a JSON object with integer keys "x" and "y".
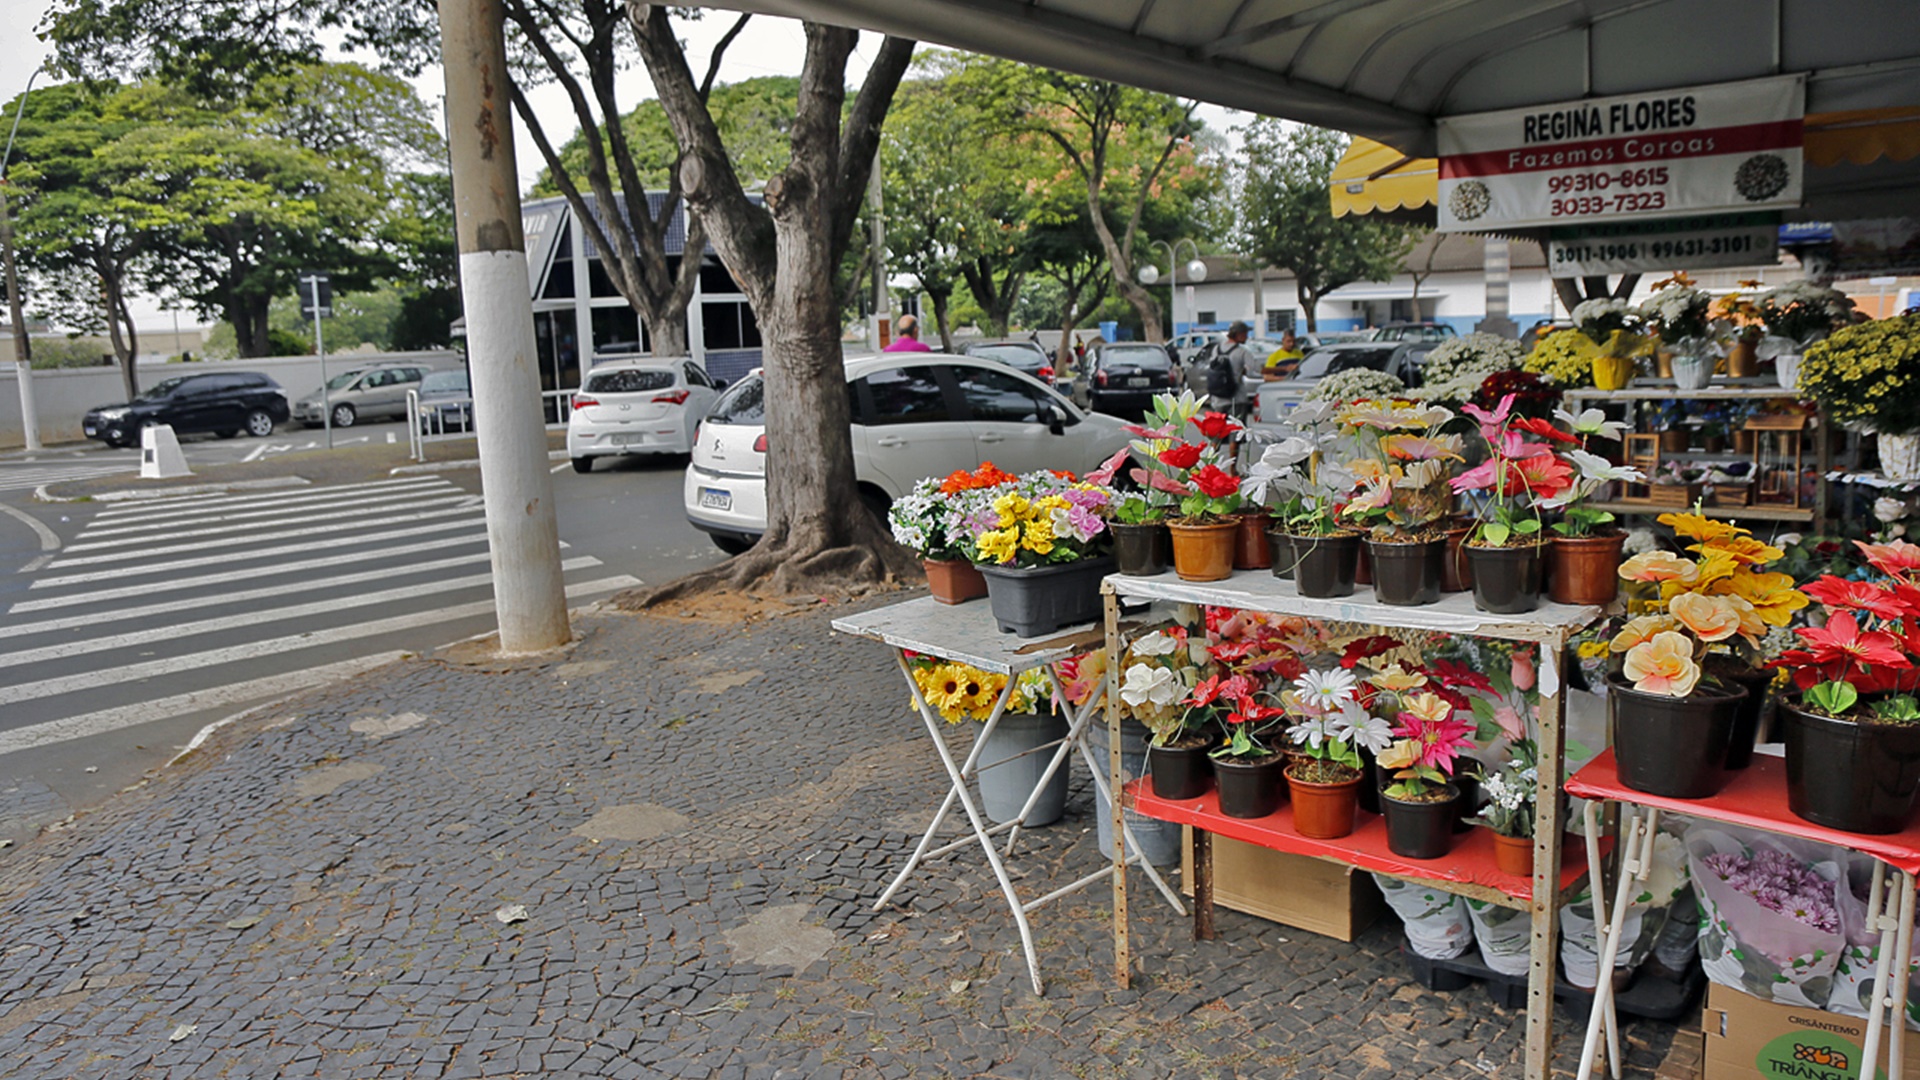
{"x": 1612, "y": 372}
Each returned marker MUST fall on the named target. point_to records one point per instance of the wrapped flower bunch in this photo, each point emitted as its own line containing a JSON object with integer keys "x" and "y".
{"x": 962, "y": 692}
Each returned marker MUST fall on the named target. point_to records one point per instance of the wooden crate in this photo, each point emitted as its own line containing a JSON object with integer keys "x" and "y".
{"x": 1311, "y": 894}
{"x": 1731, "y": 495}
{"x": 1674, "y": 494}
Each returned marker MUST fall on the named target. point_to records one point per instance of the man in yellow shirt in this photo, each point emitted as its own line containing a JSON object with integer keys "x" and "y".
{"x": 1283, "y": 361}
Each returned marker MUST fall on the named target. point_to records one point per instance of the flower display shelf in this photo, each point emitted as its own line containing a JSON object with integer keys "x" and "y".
{"x": 1467, "y": 870}
{"x": 1550, "y": 627}
{"x": 1755, "y": 798}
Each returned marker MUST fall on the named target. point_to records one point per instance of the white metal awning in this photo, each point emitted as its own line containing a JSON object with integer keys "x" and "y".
{"x": 1382, "y": 292}
{"x": 1387, "y": 68}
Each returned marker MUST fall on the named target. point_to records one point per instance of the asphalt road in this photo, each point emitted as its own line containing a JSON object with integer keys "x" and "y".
{"x": 126, "y": 627}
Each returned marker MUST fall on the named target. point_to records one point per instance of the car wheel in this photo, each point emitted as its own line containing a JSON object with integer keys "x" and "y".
{"x": 583, "y": 464}
{"x": 732, "y": 545}
{"x": 259, "y": 424}
{"x": 344, "y": 416}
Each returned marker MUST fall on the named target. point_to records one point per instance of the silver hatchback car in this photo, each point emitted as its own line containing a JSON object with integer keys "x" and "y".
{"x": 366, "y": 393}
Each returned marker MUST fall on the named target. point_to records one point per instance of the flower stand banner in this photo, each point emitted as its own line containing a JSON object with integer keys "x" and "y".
{"x": 1770, "y": 919}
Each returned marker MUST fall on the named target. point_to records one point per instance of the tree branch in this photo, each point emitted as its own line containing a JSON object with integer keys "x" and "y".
{"x": 860, "y": 137}
{"x": 719, "y": 50}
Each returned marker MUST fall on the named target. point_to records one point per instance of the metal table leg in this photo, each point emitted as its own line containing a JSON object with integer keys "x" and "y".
{"x": 1638, "y": 827}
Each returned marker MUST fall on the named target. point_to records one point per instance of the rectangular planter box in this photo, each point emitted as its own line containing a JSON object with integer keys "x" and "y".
{"x": 1295, "y": 890}
{"x": 1673, "y": 494}
{"x": 1045, "y": 599}
{"x": 1732, "y": 495}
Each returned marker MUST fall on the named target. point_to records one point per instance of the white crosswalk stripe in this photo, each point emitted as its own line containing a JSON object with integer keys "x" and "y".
{"x": 26, "y": 477}
{"x": 188, "y": 603}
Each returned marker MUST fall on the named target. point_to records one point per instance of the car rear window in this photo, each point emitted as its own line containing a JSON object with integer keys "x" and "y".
{"x": 1333, "y": 361}
{"x": 445, "y": 381}
{"x": 629, "y": 381}
{"x": 1152, "y": 358}
{"x": 1014, "y": 355}
{"x": 745, "y": 403}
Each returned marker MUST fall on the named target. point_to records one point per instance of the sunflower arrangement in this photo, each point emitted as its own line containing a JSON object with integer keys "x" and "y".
{"x": 963, "y": 692}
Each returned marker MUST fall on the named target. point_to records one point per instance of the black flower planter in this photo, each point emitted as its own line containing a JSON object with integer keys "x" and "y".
{"x": 1407, "y": 575}
{"x": 1420, "y": 830}
{"x": 1141, "y": 550}
{"x": 1676, "y": 747}
{"x": 1506, "y": 580}
{"x": 1179, "y": 772}
{"x": 1858, "y": 778}
{"x": 1746, "y": 723}
{"x": 1043, "y": 599}
{"x": 1324, "y": 566}
{"x": 1280, "y": 542}
{"x": 1467, "y": 781}
{"x": 1253, "y": 788}
{"x": 1373, "y": 780}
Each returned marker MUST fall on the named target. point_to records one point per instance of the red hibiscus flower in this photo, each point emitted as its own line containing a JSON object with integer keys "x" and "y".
{"x": 1215, "y": 425}
{"x": 1545, "y": 430}
{"x": 1544, "y": 475}
{"x": 1246, "y": 710}
{"x": 1231, "y": 652}
{"x": 1894, "y": 560}
{"x": 1842, "y": 645}
{"x": 1213, "y": 483}
{"x": 1366, "y": 648}
{"x": 1843, "y": 595}
{"x": 1184, "y": 456}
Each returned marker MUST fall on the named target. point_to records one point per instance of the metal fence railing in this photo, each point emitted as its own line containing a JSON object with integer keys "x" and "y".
{"x": 444, "y": 418}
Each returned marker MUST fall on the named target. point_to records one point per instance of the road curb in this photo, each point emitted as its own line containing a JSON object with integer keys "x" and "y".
{"x": 43, "y": 494}
{"x": 434, "y": 467}
{"x": 372, "y": 663}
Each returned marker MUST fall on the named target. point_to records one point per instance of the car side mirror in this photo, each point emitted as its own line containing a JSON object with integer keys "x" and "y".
{"x": 1050, "y": 414}
{"x": 719, "y": 384}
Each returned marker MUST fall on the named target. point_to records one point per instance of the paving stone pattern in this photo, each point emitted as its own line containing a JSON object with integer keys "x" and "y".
{"x": 315, "y": 897}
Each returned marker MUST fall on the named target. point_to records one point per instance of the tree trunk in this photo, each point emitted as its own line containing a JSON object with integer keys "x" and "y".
{"x": 120, "y": 332}
{"x": 667, "y": 332}
{"x": 1310, "y": 304}
{"x": 941, "y": 303}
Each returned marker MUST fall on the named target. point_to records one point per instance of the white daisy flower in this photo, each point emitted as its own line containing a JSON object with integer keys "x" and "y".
{"x": 1325, "y": 691}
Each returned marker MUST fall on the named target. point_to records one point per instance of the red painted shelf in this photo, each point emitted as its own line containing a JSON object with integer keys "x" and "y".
{"x": 1757, "y": 798}
{"x": 1470, "y": 863}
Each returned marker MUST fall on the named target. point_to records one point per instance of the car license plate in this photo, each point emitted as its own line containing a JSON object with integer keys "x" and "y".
{"x": 1140, "y": 381}
{"x": 617, "y": 440}
{"x": 89, "y": 430}
{"x": 715, "y": 499}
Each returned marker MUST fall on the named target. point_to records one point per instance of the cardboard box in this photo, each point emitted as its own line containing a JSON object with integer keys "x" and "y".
{"x": 1295, "y": 890}
{"x": 1750, "y": 1039}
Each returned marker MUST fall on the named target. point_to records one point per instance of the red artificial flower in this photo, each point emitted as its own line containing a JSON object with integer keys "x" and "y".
{"x": 1184, "y": 456}
{"x": 1545, "y": 430}
{"x": 1232, "y": 652}
{"x": 1213, "y": 483}
{"x": 1366, "y": 648}
{"x": 1247, "y": 710}
{"x": 1897, "y": 559}
{"x": 1841, "y": 642}
{"x": 1205, "y": 691}
{"x": 1064, "y": 474}
{"x": 1440, "y": 741}
{"x": 1214, "y": 425}
{"x": 1446, "y": 673}
{"x": 1843, "y": 595}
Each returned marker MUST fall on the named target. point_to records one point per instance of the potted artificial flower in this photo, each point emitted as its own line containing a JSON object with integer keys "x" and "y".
{"x": 1204, "y": 532}
{"x": 1141, "y": 547}
{"x": 1421, "y": 802}
{"x": 1511, "y": 794}
{"x": 1796, "y": 315}
{"x": 1245, "y": 768}
{"x": 1853, "y": 735}
{"x": 1043, "y": 545}
{"x": 1250, "y": 548}
{"x": 1613, "y": 335}
{"x": 1677, "y": 314}
{"x": 1402, "y": 463}
{"x": 960, "y": 692}
{"x": 1157, "y": 676}
{"x": 1868, "y": 377}
{"x": 1738, "y": 317}
{"x": 1331, "y": 727}
{"x": 1584, "y": 553}
{"x": 1673, "y": 718}
{"x": 930, "y": 521}
{"x": 1299, "y": 476}
{"x": 1504, "y": 549}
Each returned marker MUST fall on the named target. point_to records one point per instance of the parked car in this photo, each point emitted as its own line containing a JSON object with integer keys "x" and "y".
{"x": 1414, "y": 331}
{"x": 225, "y": 403}
{"x": 1395, "y": 358}
{"x": 1189, "y": 344}
{"x": 914, "y": 415}
{"x": 1124, "y": 376}
{"x": 363, "y": 393}
{"x": 646, "y": 406}
{"x": 1023, "y": 356}
{"x": 446, "y": 403}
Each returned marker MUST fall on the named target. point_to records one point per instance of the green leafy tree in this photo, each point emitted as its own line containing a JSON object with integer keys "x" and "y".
{"x": 933, "y": 196}
{"x": 1288, "y": 220}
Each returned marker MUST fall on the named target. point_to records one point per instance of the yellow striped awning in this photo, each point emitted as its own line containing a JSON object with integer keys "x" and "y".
{"x": 1374, "y": 178}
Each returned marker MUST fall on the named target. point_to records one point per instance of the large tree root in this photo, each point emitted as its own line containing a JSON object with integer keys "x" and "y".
{"x": 804, "y": 562}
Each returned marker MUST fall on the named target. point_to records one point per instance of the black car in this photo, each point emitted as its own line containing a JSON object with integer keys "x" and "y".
{"x": 1025, "y": 356}
{"x": 1124, "y": 378}
{"x": 224, "y": 403}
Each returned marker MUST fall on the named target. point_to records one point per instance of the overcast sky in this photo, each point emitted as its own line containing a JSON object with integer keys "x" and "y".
{"x": 769, "y": 46}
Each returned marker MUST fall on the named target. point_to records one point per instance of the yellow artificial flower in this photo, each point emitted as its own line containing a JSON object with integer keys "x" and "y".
{"x": 1751, "y": 624}
{"x": 998, "y": 544}
{"x": 1430, "y": 707}
{"x": 1742, "y": 549}
{"x": 1038, "y": 536}
{"x": 1641, "y": 630}
{"x": 1012, "y": 509}
{"x": 1773, "y": 596}
{"x": 980, "y": 692}
{"x": 1663, "y": 665}
{"x": 1700, "y": 527}
{"x": 1401, "y": 755}
{"x": 1396, "y": 679}
{"x": 1593, "y": 650}
{"x": 1711, "y": 574}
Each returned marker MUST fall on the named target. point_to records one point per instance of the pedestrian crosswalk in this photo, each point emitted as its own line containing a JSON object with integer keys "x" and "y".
{"x": 26, "y": 476}
{"x": 168, "y": 607}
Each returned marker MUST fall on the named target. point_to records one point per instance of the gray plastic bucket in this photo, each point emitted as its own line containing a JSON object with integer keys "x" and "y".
{"x": 1003, "y": 788}
{"x": 1159, "y": 840}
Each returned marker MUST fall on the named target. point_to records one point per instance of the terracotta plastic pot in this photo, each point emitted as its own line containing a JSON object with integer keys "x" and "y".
{"x": 1323, "y": 811}
{"x": 1326, "y": 567}
{"x": 1675, "y": 441}
{"x": 1420, "y": 830}
{"x": 954, "y": 581}
{"x": 1250, "y": 789}
{"x": 1280, "y": 543}
{"x": 1506, "y": 580}
{"x": 1141, "y": 550}
{"x": 1513, "y": 855}
{"x": 1586, "y": 569}
{"x": 1250, "y": 550}
{"x": 1406, "y": 575}
{"x": 1672, "y": 746}
{"x": 1203, "y": 552}
{"x": 1179, "y": 772}
{"x": 1859, "y": 778}
{"x": 1456, "y": 574}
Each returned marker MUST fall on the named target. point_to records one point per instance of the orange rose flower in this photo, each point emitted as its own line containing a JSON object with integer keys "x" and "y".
{"x": 1663, "y": 665}
{"x": 1658, "y": 566}
{"x": 1711, "y": 618}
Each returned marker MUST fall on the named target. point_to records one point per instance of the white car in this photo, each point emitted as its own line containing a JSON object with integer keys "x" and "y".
{"x": 647, "y": 406}
{"x": 914, "y": 416}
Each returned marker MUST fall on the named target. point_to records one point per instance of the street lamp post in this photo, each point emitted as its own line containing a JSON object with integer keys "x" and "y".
{"x": 1196, "y": 271}
{"x": 22, "y": 344}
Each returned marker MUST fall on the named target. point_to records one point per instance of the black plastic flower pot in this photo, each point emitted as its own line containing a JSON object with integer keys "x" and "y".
{"x": 1179, "y": 772}
{"x": 1858, "y": 778}
{"x": 1506, "y": 580}
{"x": 1040, "y": 600}
{"x": 1420, "y": 830}
{"x": 1408, "y": 575}
{"x": 1373, "y": 779}
{"x": 1141, "y": 550}
{"x": 1672, "y": 746}
{"x": 1746, "y": 723}
{"x": 1253, "y": 788}
{"x": 1324, "y": 566}
{"x": 1466, "y": 780}
{"x": 1280, "y": 542}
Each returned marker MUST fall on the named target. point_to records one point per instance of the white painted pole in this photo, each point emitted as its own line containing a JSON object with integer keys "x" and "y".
{"x": 320, "y": 350}
{"x": 524, "y": 535}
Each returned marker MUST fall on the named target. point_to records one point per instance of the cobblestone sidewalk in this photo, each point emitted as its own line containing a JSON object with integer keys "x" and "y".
{"x": 653, "y": 856}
